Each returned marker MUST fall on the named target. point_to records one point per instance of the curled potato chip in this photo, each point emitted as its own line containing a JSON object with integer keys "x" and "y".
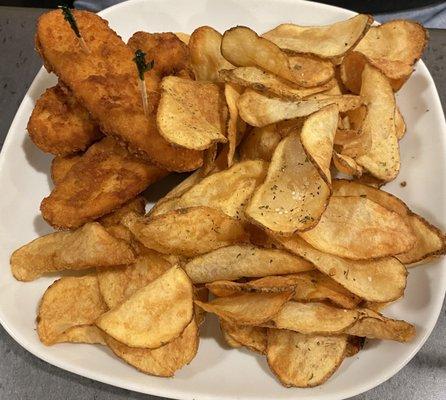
{"x": 400, "y": 124}
{"x": 304, "y": 360}
{"x": 69, "y": 302}
{"x": 154, "y": 315}
{"x": 293, "y": 195}
{"x": 242, "y": 47}
{"x": 379, "y": 280}
{"x": 61, "y": 165}
{"x": 346, "y": 164}
{"x": 329, "y": 41}
{"x": 187, "y": 232}
{"x": 163, "y": 361}
{"x": 86, "y": 247}
{"x": 230, "y": 341}
{"x": 205, "y": 54}
{"x": 247, "y": 308}
{"x": 260, "y": 143}
{"x": 200, "y": 293}
{"x": 359, "y": 229}
{"x": 82, "y": 334}
{"x": 236, "y": 126}
{"x": 191, "y": 114}
{"x": 259, "y": 110}
{"x": 252, "y": 337}
{"x": 238, "y": 261}
{"x": 136, "y": 205}
{"x": 317, "y": 137}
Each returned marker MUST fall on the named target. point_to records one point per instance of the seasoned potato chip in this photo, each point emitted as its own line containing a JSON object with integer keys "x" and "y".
{"x": 69, "y": 302}
{"x": 187, "y": 232}
{"x": 260, "y": 143}
{"x": 86, "y": 247}
{"x": 247, "y": 308}
{"x": 346, "y": 164}
{"x": 136, "y": 205}
{"x": 205, "y": 54}
{"x": 82, "y": 334}
{"x": 238, "y": 261}
{"x": 228, "y": 288}
{"x": 191, "y": 114}
{"x": 242, "y": 47}
{"x": 228, "y": 339}
{"x": 164, "y": 360}
{"x": 359, "y": 229}
{"x": 379, "y": 280}
{"x": 236, "y": 127}
{"x": 61, "y": 165}
{"x": 304, "y": 360}
{"x": 293, "y": 196}
{"x": 329, "y": 41}
{"x": 259, "y": 110}
{"x": 154, "y": 315}
{"x": 200, "y": 293}
{"x": 317, "y": 137}
{"x": 252, "y": 337}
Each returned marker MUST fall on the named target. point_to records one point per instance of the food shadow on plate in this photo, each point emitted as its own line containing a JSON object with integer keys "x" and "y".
{"x": 159, "y": 189}
{"x": 41, "y": 227}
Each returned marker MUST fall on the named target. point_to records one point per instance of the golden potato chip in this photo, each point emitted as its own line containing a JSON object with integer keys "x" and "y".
{"x": 154, "y": 315}
{"x": 400, "y": 124}
{"x": 236, "y": 127}
{"x": 69, "y": 302}
{"x": 238, "y": 261}
{"x": 163, "y": 361}
{"x": 317, "y": 137}
{"x": 354, "y": 345}
{"x": 346, "y": 164}
{"x": 136, "y": 205}
{"x": 118, "y": 284}
{"x": 376, "y": 306}
{"x": 82, "y": 334}
{"x": 252, "y": 337}
{"x": 293, "y": 195}
{"x": 187, "y": 232}
{"x": 228, "y": 288}
{"x": 61, "y": 165}
{"x": 304, "y": 360}
{"x": 228, "y": 339}
{"x": 359, "y": 229}
{"x": 242, "y": 47}
{"x": 205, "y": 54}
{"x": 86, "y": 247}
{"x": 200, "y": 293}
{"x": 184, "y": 37}
{"x": 247, "y": 308}
{"x": 191, "y": 114}
{"x": 329, "y": 41}
{"x": 259, "y": 110}
{"x": 260, "y": 143}
{"x": 379, "y": 280}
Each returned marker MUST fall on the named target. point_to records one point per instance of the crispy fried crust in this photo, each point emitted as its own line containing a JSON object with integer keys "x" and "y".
{"x": 105, "y": 82}
{"x": 61, "y": 165}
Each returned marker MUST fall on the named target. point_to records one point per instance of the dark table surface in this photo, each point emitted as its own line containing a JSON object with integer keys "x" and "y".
{"x": 23, "y": 376}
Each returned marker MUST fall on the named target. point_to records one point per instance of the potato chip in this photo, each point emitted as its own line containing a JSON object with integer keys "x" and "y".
{"x": 259, "y": 110}
{"x": 236, "y": 126}
{"x": 82, "y": 334}
{"x": 379, "y": 280}
{"x": 205, "y": 54}
{"x": 191, "y": 114}
{"x": 187, "y": 232}
{"x": 317, "y": 137}
{"x": 61, "y": 165}
{"x": 228, "y": 288}
{"x": 354, "y": 345}
{"x": 247, "y": 308}
{"x": 86, "y": 247}
{"x": 184, "y": 37}
{"x": 346, "y": 165}
{"x": 69, "y": 302}
{"x": 252, "y": 337}
{"x": 201, "y": 293}
{"x": 228, "y": 339}
{"x": 304, "y": 360}
{"x": 238, "y": 261}
{"x": 359, "y": 229}
{"x": 260, "y": 143}
{"x": 163, "y": 361}
{"x": 154, "y": 315}
{"x": 293, "y": 195}
{"x": 136, "y": 205}
{"x": 400, "y": 124}
{"x": 242, "y": 47}
{"x": 329, "y": 41}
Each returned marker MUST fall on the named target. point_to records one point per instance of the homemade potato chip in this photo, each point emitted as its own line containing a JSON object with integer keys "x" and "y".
{"x": 329, "y": 41}
{"x": 260, "y": 143}
{"x": 252, "y": 337}
{"x": 304, "y": 360}
{"x": 400, "y": 124}
{"x": 238, "y": 261}
{"x": 184, "y": 37}
{"x": 200, "y": 293}
{"x": 293, "y": 195}
{"x": 86, "y": 247}
{"x": 354, "y": 345}
{"x": 205, "y": 54}
{"x": 191, "y": 114}
{"x": 154, "y": 315}
{"x": 69, "y": 302}
{"x": 61, "y": 165}
{"x": 247, "y": 308}
{"x": 359, "y": 229}
{"x": 236, "y": 127}
{"x": 379, "y": 280}
{"x": 163, "y": 361}
{"x": 317, "y": 137}
{"x": 136, "y": 205}
{"x": 187, "y": 232}
{"x": 346, "y": 165}
{"x": 259, "y": 110}
{"x": 82, "y": 334}
{"x": 228, "y": 339}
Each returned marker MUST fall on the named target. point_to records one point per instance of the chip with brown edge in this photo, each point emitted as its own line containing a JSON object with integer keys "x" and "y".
{"x": 260, "y": 143}
{"x": 82, "y": 334}
{"x": 154, "y": 315}
{"x": 252, "y": 337}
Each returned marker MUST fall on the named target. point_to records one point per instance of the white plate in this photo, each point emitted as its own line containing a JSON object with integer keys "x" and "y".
{"x": 216, "y": 372}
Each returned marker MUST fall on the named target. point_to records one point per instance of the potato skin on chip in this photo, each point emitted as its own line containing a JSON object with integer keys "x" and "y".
{"x": 304, "y": 360}
{"x": 154, "y": 315}
{"x": 86, "y": 247}
{"x": 82, "y": 334}
{"x": 69, "y": 302}
{"x": 252, "y": 337}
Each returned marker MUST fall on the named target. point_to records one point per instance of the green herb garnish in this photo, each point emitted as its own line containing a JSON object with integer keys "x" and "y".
{"x": 69, "y": 17}
{"x": 140, "y": 61}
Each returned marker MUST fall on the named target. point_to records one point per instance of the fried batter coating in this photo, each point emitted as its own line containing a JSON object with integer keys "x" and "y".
{"x": 105, "y": 177}
{"x": 105, "y": 81}
{"x": 61, "y": 165}
{"x": 60, "y": 125}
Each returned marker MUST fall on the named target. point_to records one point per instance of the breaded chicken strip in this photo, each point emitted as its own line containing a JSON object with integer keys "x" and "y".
{"x": 105, "y": 177}
{"x": 60, "y": 125}
{"x": 105, "y": 81}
